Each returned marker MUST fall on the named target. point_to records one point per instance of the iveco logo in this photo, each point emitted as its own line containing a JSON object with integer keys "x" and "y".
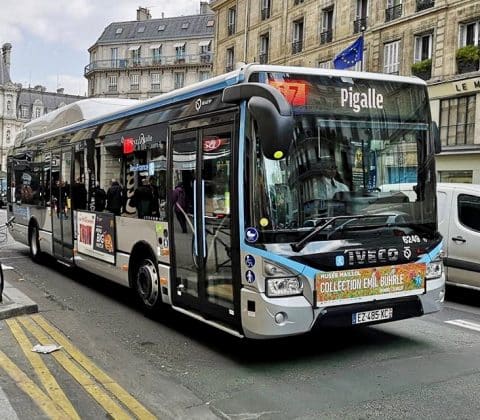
{"x": 198, "y": 104}
{"x": 202, "y": 102}
{"x": 372, "y": 256}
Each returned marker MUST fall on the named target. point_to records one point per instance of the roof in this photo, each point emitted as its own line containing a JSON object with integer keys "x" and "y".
{"x": 75, "y": 112}
{"x": 49, "y": 100}
{"x": 126, "y": 32}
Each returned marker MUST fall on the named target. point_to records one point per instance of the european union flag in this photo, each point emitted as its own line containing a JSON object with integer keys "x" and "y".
{"x": 349, "y": 56}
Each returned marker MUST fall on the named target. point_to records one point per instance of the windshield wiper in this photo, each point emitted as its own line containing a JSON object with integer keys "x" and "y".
{"x": 298, "y": 246}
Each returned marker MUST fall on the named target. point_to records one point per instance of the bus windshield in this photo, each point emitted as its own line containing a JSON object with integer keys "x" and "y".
{"x": 360, "y": 147}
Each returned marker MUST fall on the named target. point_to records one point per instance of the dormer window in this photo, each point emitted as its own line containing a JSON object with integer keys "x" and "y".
{"x": 161, "y": 28}
{"x": 210, "y": 23}
{"x": 119, "y": 31}
{"x": 185, "y": 25}
{"x": 141, "y": 29}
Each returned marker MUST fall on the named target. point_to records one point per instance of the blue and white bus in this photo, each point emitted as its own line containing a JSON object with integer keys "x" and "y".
{"x": 250, "y": 201}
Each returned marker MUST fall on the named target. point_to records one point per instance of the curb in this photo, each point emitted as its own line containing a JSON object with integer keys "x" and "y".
{"x": 16, "y": 303}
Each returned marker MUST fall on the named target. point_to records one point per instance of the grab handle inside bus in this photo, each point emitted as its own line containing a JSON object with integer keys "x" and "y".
{"x": 272, "y": 113}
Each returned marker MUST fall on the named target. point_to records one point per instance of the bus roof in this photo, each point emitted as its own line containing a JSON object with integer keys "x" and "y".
{"x": 91, "y": 112}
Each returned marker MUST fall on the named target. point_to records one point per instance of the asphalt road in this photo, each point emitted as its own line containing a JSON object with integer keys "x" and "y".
{"x": 177, "y": 367}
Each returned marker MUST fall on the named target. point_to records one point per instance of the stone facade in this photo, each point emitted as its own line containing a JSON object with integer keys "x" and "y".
{"x": 397, "y": 34}
{"x": 147, "y": 57}
{"x": 19, "y": 105}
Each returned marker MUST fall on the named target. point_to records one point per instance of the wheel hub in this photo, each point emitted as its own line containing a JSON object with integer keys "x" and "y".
{"x": 147, "y": 284}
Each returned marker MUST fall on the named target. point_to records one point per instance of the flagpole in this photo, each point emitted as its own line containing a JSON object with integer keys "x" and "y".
{"x": 362, "y": 30}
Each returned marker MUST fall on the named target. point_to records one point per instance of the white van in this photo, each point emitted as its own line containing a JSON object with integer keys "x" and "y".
{"x": 459, "y": 224}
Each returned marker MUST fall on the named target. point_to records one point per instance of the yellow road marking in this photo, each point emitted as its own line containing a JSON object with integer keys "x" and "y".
{"x": 41, "y": 370}
{"x": 121, "y": 394}
{"x": 33, "y": 391}
{"x": 84, "y": 379}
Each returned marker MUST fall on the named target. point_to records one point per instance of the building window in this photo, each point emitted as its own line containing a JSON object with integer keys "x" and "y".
{"x": 457, "y": 121}
{"x": 393, "y": 10}
{"x": 264, "y": 44}
{"x": 423, "y": 47}
{"x": 295, "y": 2}
{"x": 155, "y": 81}
{"x": 185, "y": 25}
{"x": 210, "y": 23}
{"x": 38, "y": 112}
{"x": 325, "y": 64}
{"x": 231, "y": 20}
{"x": 326, "y": 33}
{"x": 135, "y": 55}
{"x": 391, "y": 60}
{"x": 161, "y": 28}
{"x": 265, "y": 9}
{"x": 179, "y": 80}
{"x": 24, "y": 111}
{"x": 204, "y": 51}
{"x": 464, "y": 177}
{"x": 180, "y": 53}
{"x": 114, "y": 57}
{"x": 230, "y": 59}
{"x": 8, "y": 136}
{"x": 469, "y": 33}
{"x": 361, "y": 21}
{"x": 141, "y": 29}
{"x": 203, "y": 75}
{"x": 119, "y": 31}
{"x": 134, "y": 81}
{"x": 112, "y": 83}
{"x": 156, "y": 54}
{"x": 297, "y": 44}
{"x": 424, "y": 4}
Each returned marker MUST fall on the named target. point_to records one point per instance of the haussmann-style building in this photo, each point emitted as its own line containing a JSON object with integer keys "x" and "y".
{"x": 437, "y": 40}
{"x": 146, "y": 57}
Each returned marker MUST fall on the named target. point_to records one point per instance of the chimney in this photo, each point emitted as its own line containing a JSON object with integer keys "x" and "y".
{"x": 60, "y": 91}
{"x": 204, "y": 8}
{"x": 163, "y": 15}
{"x": 143, "y": 14}
{"x": 6, "y": 49}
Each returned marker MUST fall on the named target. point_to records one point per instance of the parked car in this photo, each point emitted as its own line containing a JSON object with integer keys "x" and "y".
{"x": 459, "y": 224}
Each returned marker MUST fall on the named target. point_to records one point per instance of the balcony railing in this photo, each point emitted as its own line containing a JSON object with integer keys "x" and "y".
{"x": 326, "y": 36}
{"x": 130, "y": 63}
{"x": 263, "y": 58}
{"x": 393, "y": 12}
{"x": 424, "y": 4}
{"x": 297, "y": 47}
{"x": 265, "y": 13}
{"x": 359, "y": 25}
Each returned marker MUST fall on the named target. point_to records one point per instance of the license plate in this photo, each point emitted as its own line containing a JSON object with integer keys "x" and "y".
{"x": 371, "y": 316}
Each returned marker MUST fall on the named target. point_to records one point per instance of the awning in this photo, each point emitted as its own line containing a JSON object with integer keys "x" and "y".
{"x": 134, "y": 48}
{"x": 179, "y": 45}
{"x": 155, "y": 47}
{"x": 204, "y": 43}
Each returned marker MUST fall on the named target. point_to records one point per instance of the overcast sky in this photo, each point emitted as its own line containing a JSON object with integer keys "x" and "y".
{"x": 50, "y": 38}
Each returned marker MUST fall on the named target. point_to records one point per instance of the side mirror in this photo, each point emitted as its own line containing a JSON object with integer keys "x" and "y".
{"x": 275, "y": 131}
{"x": 437, "y": 144}
{"x": 272, "y": 112}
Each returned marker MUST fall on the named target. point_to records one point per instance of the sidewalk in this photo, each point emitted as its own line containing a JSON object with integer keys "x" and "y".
{"x": 15, "y": 303}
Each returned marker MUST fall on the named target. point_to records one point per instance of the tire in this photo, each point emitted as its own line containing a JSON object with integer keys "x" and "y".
{"x": 147, "y": 286}
{"x": 34, "y": 243}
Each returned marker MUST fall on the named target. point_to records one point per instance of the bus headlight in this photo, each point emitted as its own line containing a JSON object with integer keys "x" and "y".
{"x": 286, "y": 286}
{"x": 434, "y": 270}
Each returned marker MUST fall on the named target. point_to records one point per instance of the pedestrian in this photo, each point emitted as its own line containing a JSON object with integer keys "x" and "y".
{"x": 114, "y": 198}
{"x": 79, "y": 195}
{"x": 179, "y": 203}
{"x": 156, "y": 197}
{"x": 100, "y": 197}
{"x": 143, "y": 199}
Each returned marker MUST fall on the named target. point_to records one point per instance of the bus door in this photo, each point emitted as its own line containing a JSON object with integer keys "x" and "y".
{"x": 60, "y": 203}
{"x": 202, "y": 227}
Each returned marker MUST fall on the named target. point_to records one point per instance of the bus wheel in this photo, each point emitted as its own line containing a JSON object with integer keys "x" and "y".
{"x": 34, "y": 242}
{"x": 147, "y": 285}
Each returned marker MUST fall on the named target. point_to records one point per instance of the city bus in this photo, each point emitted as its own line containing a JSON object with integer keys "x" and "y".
{"x": 250, "y": 201}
